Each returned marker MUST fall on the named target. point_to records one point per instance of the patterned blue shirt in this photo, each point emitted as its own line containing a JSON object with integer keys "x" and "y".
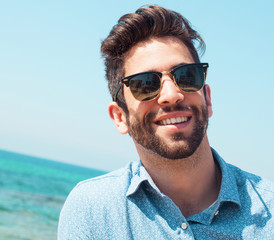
{"x": 126, "y": 204}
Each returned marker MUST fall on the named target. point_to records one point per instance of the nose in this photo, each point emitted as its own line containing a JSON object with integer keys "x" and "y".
{"x": 170, "y": 94}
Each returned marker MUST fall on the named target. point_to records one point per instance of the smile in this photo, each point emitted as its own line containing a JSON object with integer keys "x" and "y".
{"x": 173, "y": 120}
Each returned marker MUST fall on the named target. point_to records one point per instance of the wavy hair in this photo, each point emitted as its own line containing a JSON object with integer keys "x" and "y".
{"x": 146, "y": 23}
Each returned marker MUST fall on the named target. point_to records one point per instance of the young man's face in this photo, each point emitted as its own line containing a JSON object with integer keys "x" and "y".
{"x": 152, "y": 124}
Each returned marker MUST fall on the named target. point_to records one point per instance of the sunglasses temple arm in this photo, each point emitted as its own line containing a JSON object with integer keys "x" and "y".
{"x": 116, "y": 92}
{"x": 205, "y": 72}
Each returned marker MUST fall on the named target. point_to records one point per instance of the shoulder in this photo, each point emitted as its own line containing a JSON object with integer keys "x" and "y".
{"x": 244, "y": 179}
{"x": 89, "y": 203}
{"x": 105, "y": 190}
{"x": 254, "y": 185}
{"x": 257, "y": 181}
{"x": 107, "y": 185}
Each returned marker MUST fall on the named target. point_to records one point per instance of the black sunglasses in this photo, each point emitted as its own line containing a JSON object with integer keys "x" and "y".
{"x": 146, "y": 86}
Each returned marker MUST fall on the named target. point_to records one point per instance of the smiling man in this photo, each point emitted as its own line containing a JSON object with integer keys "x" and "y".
{"x": 181, "y": 188}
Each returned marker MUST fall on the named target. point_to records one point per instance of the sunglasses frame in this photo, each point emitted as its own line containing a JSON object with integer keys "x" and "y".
{"x": 126, "y": 80}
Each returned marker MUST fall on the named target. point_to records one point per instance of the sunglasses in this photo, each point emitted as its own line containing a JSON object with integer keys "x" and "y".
{"x": 146, "y": 86}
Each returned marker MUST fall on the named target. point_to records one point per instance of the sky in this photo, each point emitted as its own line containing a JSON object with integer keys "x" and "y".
{"x": 54, "y": 96}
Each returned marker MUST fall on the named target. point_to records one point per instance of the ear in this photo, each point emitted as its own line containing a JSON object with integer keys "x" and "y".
{"x": 208, "y": 100}
{"x": 118, "y": 116}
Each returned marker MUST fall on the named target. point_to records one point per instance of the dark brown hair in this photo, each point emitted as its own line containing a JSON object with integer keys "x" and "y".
{"x": 146, "y": 23}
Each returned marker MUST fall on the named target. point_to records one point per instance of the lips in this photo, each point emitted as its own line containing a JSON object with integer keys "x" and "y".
{"x": 174, "y": 120}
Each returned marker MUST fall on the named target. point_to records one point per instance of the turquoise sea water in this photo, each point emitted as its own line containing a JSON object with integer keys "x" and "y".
{"x": 32, "y": 192}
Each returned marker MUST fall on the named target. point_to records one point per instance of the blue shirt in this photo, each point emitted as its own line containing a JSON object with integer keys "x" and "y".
{"x": 126, "y": 204}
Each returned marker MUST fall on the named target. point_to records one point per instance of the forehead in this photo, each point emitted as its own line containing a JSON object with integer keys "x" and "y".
{"x": 157, "y": 54}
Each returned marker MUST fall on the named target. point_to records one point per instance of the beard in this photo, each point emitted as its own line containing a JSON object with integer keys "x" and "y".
{"x": 182, "y": 146}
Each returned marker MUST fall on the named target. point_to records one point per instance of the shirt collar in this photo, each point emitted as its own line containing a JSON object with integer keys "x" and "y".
{"x": 228, "y": 192}
{"x": 140, "y": 175}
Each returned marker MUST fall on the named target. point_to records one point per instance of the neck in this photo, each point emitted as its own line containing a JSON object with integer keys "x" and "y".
{"x": 192, "y": 183}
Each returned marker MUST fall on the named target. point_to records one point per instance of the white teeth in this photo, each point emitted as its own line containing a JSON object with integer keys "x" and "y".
{"x": 173, "y": 120}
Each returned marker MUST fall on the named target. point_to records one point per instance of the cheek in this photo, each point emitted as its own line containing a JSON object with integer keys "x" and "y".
{"x": 137, "y": 109}
{"x": 143, "y": 115}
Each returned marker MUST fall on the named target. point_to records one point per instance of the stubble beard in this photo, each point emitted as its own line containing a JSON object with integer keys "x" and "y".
{"x": 182, "y": 146}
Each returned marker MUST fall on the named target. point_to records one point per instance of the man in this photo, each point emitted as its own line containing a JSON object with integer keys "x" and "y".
{"x": 181, "y": 188}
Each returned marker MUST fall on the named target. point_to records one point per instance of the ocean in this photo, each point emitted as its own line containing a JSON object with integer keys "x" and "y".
{"x": 32, "y": 193}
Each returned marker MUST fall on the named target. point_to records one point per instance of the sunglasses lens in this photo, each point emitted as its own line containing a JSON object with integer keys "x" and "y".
{"x": 145, "y": 87}
{"x": 189, "y": 78}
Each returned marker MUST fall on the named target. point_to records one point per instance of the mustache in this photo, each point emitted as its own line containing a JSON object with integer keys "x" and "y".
{"x": 167, "y": 109}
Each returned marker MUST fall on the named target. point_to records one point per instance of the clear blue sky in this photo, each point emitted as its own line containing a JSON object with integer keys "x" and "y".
{"x": 54, "y": 97}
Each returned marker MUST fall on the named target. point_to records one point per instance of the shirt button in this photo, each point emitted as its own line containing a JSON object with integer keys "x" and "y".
{"x": 184, "y": 226}
{"x": 216, "y": 213}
